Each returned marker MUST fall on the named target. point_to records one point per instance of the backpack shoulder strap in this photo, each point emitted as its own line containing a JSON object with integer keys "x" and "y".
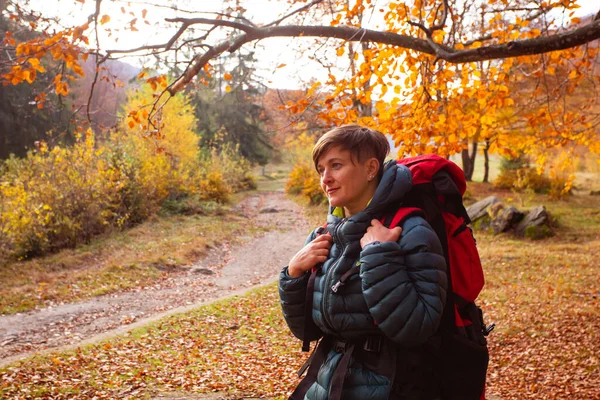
{"x": 403, "y": 214}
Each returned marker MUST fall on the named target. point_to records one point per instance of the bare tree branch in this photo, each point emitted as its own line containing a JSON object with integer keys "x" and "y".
{"x": 299, "y": 10}
{"x": 539, "y": 45}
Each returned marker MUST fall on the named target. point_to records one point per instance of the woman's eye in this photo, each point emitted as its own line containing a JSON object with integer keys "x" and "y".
{"x": 336, "y": 165}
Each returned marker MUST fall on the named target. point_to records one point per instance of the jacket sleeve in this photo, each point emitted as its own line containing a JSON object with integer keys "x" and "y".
{"x": 292, "y": 296}
{"x": 404, "y": 284}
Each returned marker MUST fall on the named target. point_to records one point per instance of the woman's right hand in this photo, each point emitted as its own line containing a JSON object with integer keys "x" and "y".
{"x": 316, "y": 252}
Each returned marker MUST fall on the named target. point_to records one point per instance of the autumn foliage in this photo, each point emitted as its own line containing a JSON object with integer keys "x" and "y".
{"x": 63, "y": 196}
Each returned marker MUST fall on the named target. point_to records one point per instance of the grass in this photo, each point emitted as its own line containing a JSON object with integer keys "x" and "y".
{"x": 271, "y": 177}
{"x": 543, "y": 296}
{"x": 119, "y": 260}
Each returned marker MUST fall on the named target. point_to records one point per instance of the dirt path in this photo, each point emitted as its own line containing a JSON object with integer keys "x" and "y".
{"x": 225, "y": 271}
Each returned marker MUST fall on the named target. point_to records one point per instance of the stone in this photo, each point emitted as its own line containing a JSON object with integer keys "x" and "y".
{"x": 506, "y": 219}
{"x": 268, "y": 210}
{"x": 203, "y": 271}
{"x": 535, "y": 225}
{"x": 480, "y": 209}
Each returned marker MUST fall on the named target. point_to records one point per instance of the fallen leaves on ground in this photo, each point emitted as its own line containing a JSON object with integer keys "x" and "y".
{"x": 543, "y": 296}
{"x": 240, "y": 346}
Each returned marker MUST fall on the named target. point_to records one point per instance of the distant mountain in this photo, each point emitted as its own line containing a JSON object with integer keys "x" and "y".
{"x": 109, "y": 96}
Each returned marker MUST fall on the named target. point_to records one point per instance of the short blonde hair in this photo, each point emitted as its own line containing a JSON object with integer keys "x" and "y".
{"x": 361, "y": 142}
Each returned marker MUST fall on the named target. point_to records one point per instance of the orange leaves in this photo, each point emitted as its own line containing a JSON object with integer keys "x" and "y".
{"x": 40, "y": 99}
{"x": 18, "y": 74}
{"x": 157, "y": 81}
{"x": 61, "y": 87}
{"x": 61, "y": 46}
{"x": 227, "y": 76}
{"x": 136, "y": 118}
{"x": 105, "y": 19}
{"x": 8, "y": 39}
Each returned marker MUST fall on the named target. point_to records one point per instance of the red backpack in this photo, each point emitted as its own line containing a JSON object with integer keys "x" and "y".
{"x": 438, "y": 186}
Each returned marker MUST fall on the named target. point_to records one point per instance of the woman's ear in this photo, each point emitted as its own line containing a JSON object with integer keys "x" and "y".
{"x": 372, "y": 165}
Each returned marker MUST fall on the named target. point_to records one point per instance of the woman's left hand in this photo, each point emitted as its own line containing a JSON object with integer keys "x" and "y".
{"x": 379, "y": 233}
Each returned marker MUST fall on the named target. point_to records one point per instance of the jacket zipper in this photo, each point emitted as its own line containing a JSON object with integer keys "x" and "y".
{"x": 328, "y": 276}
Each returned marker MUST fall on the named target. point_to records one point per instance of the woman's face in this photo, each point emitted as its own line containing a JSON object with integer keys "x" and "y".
{"x": 347, "y": 182}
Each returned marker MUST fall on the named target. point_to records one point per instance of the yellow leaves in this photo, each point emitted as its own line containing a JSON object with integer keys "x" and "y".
{"x": 228, "y": 88}
{"x": 340, "y": 51}
{"x": 105, "y": 19}
{"x": 313, "y": 88}
{"x": 574, "y": 74}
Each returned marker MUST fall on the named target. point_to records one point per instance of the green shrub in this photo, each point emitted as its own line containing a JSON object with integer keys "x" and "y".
{"x": 514, "y": 163}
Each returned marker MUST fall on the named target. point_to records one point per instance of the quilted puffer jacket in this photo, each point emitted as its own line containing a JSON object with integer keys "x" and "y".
{"x": 399, "y": 293}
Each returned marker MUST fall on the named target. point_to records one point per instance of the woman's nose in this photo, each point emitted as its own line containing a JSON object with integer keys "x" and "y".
{"x": 326, "y": 177}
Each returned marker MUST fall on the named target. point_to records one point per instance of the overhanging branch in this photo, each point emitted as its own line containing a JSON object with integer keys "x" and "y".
{"x": 539, "y": 45}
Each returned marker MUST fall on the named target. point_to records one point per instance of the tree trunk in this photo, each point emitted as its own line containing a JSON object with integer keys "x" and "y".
{"x": 486, "y": 163}
{"x": 468, "y": 161}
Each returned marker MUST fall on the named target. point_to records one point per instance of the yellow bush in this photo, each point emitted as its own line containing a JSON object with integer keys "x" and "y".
{"x": 304, "y": 180}
{"x": 167, "y": 160}
{"x": 214, "y": 187}
{"x": 61, "y": 197}
{"x": 57, "y": 197}
{"x": 223, "y": 171}
{"x": 295, "y": 183}
{"x": 521, "y": 179}
{"x": 312, "y": 190}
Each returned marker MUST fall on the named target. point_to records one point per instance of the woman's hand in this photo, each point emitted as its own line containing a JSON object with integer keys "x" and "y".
{"x": 314, "y": 253}
{"x": 379, "y": 233}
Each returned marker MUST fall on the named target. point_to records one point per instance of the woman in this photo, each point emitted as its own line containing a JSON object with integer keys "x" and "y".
{"x": 374, "y": 323}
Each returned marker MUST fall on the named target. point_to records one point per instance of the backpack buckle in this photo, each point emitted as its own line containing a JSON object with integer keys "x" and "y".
{"x": 487, "y": 329}
{"x": 340, "y": 345}
{"x": 336, "y": 286}
{"x": 373, "y": 344}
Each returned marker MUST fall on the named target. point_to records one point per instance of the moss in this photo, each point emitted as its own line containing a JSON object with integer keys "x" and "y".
{"x": 538, "y": 232}
{"x": 483, "y": 223}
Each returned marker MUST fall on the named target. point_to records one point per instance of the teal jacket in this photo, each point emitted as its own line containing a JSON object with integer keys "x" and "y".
{"x": 399, "y": 293}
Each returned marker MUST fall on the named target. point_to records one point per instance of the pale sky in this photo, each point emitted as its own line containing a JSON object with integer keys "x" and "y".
{"x": 270, "y": 52}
